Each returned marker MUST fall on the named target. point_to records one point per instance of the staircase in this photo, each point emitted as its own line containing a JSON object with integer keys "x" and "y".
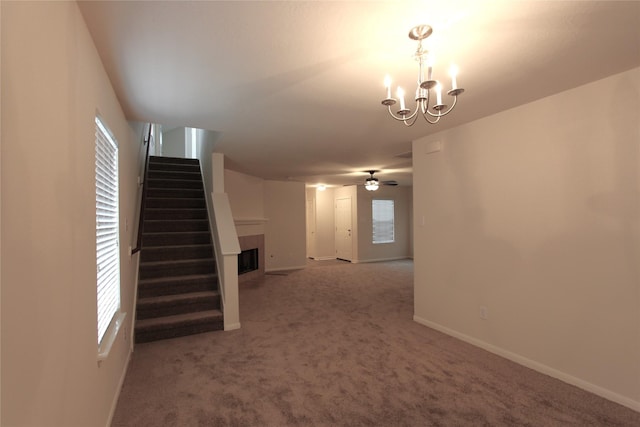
{"x": 177, "y": 282}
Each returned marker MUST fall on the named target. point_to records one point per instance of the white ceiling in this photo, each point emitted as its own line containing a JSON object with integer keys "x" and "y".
{"x": 294, "y": 87}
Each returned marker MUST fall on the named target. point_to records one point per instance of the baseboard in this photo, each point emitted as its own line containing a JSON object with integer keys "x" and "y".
{"x": 323, "y": 258}
{"x": 536, "y": 366}
{"x": 114, "y": 403}
{"x": 231, "y": 326}
{"x": 298, "y": 267}
{"x": 362, "y": 261}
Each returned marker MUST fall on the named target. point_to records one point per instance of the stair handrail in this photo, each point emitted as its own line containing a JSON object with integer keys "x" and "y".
{"x": 147, "y": 141}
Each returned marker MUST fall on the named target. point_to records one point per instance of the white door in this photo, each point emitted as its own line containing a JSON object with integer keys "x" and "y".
{"x": 343, "y": 229}
{"x": 311, "y": 227}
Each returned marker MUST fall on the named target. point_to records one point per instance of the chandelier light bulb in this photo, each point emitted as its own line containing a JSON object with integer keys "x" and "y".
{"x": 453, "y": 72}
{"x": 401, "y": 96}
{"x": 387, "y": 84}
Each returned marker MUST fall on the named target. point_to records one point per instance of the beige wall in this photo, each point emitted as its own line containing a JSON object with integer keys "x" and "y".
{"x": 401, "y": 247}
{"x": 246, "y": 196}
{"x": 273, "y": 208}
{"x": 285, "y": 237}
{"x": 52, "y": 84}
{"x": 533, "y": 213}
{"x": 173, "y": 143}
{"x": 206, "y": 142}
{"x": 0, "y": 225}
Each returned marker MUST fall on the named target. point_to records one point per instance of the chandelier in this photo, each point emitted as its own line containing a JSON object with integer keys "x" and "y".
{"x": 423, "y": 92}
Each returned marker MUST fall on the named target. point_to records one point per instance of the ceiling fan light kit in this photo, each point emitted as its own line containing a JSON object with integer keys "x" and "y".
{"x": 371, "y": 183}
{"x": 423, "y": 92}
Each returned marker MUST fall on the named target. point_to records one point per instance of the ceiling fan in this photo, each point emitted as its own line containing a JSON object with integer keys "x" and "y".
{"x": 372, "y": 183}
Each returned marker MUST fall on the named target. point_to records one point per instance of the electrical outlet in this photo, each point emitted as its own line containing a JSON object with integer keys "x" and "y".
{"x": 484, "y": 312}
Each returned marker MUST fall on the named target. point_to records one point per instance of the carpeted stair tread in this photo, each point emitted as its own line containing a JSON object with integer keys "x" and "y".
{"x": 156, "y": 221}
{"x": 172, "y": 285}
{"x": 177, "y": 298}
{"x": 178, "y": 319}
{"x": 152, "y": 233}
{"x": 173, "y": 183}
{"x": 170, "y": 305}
{"x": 175, "y": 213}
{"x": 176, "y": 209}
{"x": 176, "y": 262}
{"x": 182, "y": 193}
{"x": 173, "y": 167}
{"x": 175, "y": 202}
{"x": 156, "y": 172}
{"x": 179, "y": 267}
{"x": 176, "y": 252}
{"x": 179, "y": 246}
{"x": 171, "y": 238}
{"x": 175, "y": 225}
{"x": 169, "y": 159}
{"x": 183, "y": 175}
{"x": 165, "y": 279}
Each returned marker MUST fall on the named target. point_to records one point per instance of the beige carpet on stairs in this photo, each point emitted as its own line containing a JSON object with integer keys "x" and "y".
{"x": 334, "y": 344}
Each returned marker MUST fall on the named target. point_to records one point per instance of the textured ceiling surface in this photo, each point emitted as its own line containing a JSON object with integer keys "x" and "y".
{"x": 294, "y": 87}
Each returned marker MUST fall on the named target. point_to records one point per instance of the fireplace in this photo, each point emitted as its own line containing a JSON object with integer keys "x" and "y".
{"x": 251, "y": 260}
{"x": 247, "y": 261}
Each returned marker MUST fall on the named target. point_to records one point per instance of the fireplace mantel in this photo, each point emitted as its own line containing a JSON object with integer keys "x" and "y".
{"x": 250, "y": 221}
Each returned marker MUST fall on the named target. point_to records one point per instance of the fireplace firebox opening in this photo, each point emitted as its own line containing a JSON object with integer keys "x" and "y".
{"x": 248, "y": 261}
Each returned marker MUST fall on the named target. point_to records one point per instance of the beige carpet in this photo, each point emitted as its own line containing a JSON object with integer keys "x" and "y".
{"x": 334, "y": 344}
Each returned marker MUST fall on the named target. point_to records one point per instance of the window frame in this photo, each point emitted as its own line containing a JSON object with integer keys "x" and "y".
{"x": 376, "y": 223}
{"x": 109, "y": 317}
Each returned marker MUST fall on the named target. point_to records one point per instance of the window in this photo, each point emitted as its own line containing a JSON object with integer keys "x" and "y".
{"x": 382, "y": 221}
{"x": 107, "y": 232}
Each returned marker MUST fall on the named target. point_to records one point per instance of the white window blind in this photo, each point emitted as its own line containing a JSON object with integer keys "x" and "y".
{"x": 107, "y": 230}
{"x": 383, "y": 221}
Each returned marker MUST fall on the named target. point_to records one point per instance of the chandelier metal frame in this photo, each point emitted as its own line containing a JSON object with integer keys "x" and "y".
{"x": 423, "y": 92}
